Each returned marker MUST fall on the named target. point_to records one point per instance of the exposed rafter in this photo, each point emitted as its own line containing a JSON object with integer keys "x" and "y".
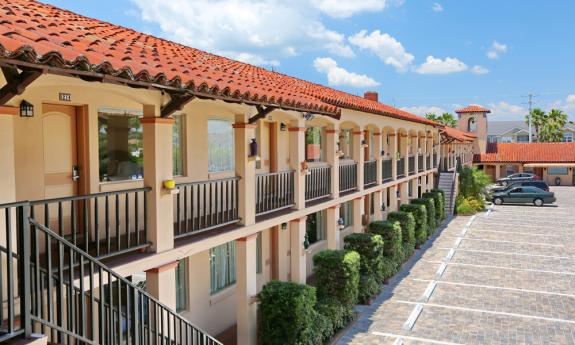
{"x": 16, "y": 82}
{"x": 262, "y": 112}
{"x": 177, "y": 102}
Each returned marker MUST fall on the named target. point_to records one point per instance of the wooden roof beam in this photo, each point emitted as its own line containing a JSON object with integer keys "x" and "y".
{"x": 176, "y": 103}
{"x": 262, "y": 112}
{"x": 16, "y": 82}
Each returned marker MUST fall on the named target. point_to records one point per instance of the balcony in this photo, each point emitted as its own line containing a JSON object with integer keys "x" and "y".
{"x": 205, "y": 205}
{"x": 386, "y": 169}
{"x": 400, "y": 167}
{"x": 411, "y": 165}
{"x": 347, "y": 177}
{"x": 369, "y": 173}
{"x": 428, "y": 162}
{"x": 435, "y": 160}
{"x": 419, "y": 163}
{"x": 317, "y": 183}
{"x": 274, "y": 192}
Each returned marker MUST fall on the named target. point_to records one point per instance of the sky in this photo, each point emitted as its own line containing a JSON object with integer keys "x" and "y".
{"x": 419, "y": 55}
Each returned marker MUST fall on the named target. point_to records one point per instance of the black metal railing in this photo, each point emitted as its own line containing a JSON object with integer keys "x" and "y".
{"x": 428, "y": 162}
{"x": 347, "y": 176}
{"x": 411, "y": 165}
{"x": 420, "y": 163}
{"x": 369, "y": 173}
{"x": 72, "y": 298}
{"x": 205, "y": 205}
{"x": 274, "y": 191}
{"x": 102, "y": 224}
{"x": 400, "y": 167}
{"x": 386, "y": 170}
{"x": 318, "y": 183}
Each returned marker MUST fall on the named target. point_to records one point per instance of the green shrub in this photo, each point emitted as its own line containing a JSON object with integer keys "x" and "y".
{"x": 336, "y": 314}
{"x": 429, "y": 204}
{"x": 287, "y": 314}
{"x": 463, "y": 207}
{"x": 337, "y": 275}
{"x": 390, "y": 232}
{"x": 407, "y": 223}
{"x": 439, "y": 205}
{"x": 419, "y": 213}
{"x": 369, "y": 246}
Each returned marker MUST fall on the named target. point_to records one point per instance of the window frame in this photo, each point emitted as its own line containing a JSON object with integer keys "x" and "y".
{"x": 183, "y": 305}
{"x": 183, "y": 119}
{"x": 231, "y": 278}
{"x": 555, "y": 169}
{"x": 233, "y": 152}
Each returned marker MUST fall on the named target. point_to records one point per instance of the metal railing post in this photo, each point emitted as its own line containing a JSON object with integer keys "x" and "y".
{"x": 23, "y": 228}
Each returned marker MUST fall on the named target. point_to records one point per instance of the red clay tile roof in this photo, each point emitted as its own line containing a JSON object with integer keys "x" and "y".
{"x": 527, "y": 153}
{"x": 454, "y": 133}
{"x": 474, "y": 108}
{"x": 41, "y": 34}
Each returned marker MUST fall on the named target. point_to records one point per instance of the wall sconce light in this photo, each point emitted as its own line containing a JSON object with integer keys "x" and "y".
{"x": 341, "y": 223}
{"x": 308, "y": 116}
{"x": 382, "y": 153}
{"x": 398, "y": 193}
{"x": 306, "y": 241}
{"x": 364, "y": 143}
{"x": 284, "y": 226}
{"x": 254, "y": 150}
{"x": 383, "y": 207}
{"x": 283, "y": 127}
{"x": 26, "y": 109}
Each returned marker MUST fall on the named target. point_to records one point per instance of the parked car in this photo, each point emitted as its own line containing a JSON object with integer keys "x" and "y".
{"x": 519, "y": 177}
{"x": 524, "y": 195}
{"x": 539, "y": 184}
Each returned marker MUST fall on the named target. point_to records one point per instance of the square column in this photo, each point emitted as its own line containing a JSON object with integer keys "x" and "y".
{"x": 297, "y": 250}
{"x": 415, "y": 141}
{"x": 332, "y": 134}
{"x": 357, "y": 214}
{"x": 296, "y": 158}
{"x": 430, "y": 182}
{"x": 393, "y": 199}
{"x": 282, "y": 254}
{"x": 161, "y": 283}
{"x": 378, "y": 157}
{"x": 246, "y": 290}
{"x": 414, "y": 184}
{"x": 497, "y": 171}
{"x": 358, "y": 156}
{"x": 393, "y": 149}
{"x": 404, "y": 154}
{"x": 404, "y": 190}
{"x": 157, "y": 134}
{"x": 332, "y": 230}
{"x": 7, "y": 156}
{"x": 245, "y": 168}
{"x": 378, "y": 201}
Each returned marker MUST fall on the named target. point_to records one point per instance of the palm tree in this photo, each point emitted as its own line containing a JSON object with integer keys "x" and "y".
{"x": 538, "y": 119}
{"x": 445, "y": 118}
{"x": 552, "y": 130}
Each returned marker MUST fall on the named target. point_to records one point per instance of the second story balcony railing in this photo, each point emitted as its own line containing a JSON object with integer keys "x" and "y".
{"x": 428, "y": 162}
{"x": 347, "y": 177}
{"x": 369, "y": 173}
{"x": 318, "y": 183}
{"x": 401, "y": 167}
{"x": 205, "y": 205}
{"x": 102, "y": 224}
{"x": 420, "y": 163}
{"x": 386, "y": 170}
{"x": 411, "y": 165}
{"x": 274, "y": 191}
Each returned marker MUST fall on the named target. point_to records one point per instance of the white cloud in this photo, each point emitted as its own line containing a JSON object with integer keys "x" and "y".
{"x": 506, "y": 111}
{"x": 423, "y": 109}
{"x": 437, "y": 7}
{"x": 338, "y": 76}
{"x": 496, "y": 49}
{"x": 388, "y": 49}
{"x": 477, "y": 69}
{"x": 348, "y": 8}
{"x": 437, "y": 66}
{"x": 255, "y": 60}
{"x": 571, "y": 99}
{"x": 262, "y": 28}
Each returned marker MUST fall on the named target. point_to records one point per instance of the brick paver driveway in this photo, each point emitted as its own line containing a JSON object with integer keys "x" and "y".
{"x": 501, "y": 277}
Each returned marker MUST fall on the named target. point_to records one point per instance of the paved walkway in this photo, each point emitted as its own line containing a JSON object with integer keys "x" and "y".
{"x": 502, "y": 277}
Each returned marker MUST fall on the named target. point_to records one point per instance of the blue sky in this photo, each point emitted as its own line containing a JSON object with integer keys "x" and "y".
{"x": 419, "y": 55}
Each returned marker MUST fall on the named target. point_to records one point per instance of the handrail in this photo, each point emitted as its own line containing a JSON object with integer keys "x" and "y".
{"x": 89, "y": 196}
{"x": 208, "y": 181}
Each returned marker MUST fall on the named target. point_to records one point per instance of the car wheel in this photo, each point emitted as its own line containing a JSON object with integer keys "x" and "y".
{"x": 498, "y": 201}
{"x": 538, "y": 202}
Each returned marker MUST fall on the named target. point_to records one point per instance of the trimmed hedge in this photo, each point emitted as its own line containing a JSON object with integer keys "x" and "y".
{"x": 407, "y": 223}
{"x": 337, "y": 275}
{"x": 390, "y": 231}
{"x": 287, "y": 314}
{"x": 429, "y": 204}
{"x": 336, "y": 314}
{"x": 370, "y": 249}
{"x": 441, "y": 192}
{"x": 420, "y": 215}
{"x": 438, "y": 203}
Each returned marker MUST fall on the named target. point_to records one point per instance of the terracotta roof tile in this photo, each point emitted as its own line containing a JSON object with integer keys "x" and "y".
{"x": 527, "y": 153}
{"x": 457, "y": 134}
{"x": 474, "y": 108}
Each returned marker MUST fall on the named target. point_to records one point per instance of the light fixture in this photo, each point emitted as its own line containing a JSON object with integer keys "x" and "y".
{"x": 26, "y": 109}
{"x": 382, "y": 153}
{"x": 308, "y": 116}
{"x": 341, "y": 223}
{"x": 284, "y": 226}
{"x": 383, "y": 207}
{"x": 254, "y": 150}
{"x": 283, "y": 127}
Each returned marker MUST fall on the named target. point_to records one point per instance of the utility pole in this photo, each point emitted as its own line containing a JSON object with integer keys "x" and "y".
{"x": 530, "y": 102}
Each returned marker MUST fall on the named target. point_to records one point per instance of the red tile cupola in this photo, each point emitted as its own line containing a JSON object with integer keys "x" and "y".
{"x": 371, "y": 95}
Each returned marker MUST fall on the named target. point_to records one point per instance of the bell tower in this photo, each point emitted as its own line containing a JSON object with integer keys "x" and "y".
{"x": 473, "y": 119}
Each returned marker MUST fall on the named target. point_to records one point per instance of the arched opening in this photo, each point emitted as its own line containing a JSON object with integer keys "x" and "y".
{"x": 471, "y": 125}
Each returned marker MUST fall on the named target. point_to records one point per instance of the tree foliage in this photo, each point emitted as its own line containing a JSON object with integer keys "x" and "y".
{"x": 548, "y": 126}
{"x": 445, "y": 118}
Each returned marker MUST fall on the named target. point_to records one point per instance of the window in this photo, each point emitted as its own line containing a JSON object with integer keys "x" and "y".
{"x": 120, "y": 145}
{"x": 178, "y": 146}
{"x": 492, "y": 138}
{"x": 568, "y": 137}
{"x": 181, "y": 286}
{"x": 220, "y": 145}
{"x": 557, "y": 171}
{"x": 509, "y": 170}
{"x": 314, "y": 142}
{"x": 371, "y": 147}
{"x": 259, "y": 253}
{"x": 505, "y": 139}
{"x": 346, "y": 143}
{"x": 471, "y": 125}
{"x": 315, "y": 227}
{"x": 523, "y": 138}
{"x": 222, "y": 266}
{"x": 346, "y": 213}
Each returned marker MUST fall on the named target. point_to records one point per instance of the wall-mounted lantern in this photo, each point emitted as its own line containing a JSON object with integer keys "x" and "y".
{"x": 254, "y": 150}
{"x": 284, "y": 226}
{"x": 364, "y": 143}
{"x": 26, "y": 109}
{"x": 383, "y": 207}
{"x": 283, "y": 127}
{"x": 341, "y": 223}
{"x": 308, "y": 116}
{"x": 383, "y": 153}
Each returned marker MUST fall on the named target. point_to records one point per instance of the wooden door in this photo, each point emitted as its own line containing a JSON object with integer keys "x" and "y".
{"x": 273, "y": 144}
{"x": 60, "y": 150}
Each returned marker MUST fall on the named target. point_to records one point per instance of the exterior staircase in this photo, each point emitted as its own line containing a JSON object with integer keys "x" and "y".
{"x": 447, "y": 182}
{"x": 50, "y": 286}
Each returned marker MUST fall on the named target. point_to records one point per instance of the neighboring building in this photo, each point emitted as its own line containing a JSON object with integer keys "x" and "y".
{"x": 518, "y": 132}
{"x": 196, "y": 176}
